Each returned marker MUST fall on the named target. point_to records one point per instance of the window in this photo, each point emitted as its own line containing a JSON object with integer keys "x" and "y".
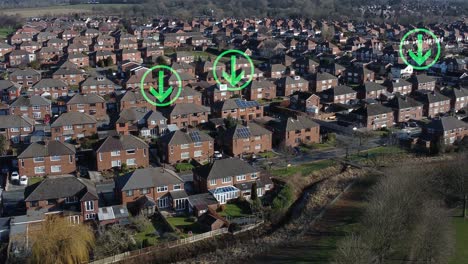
{"x": 51, "y": 201}
{"x": 115, "y": 163}
{"x": 213, "y": 182}
{"x": 38, "y": 159}
{"x": 162, "y": 188}
{"x": 54, "y": 158}
{"x": 34, "y": 203}
{"x": 56, "y": 168}
{"x": 254, "y": 176}
{"x": 144, "y": 191}
{"x": 89, "y": 205}
{"x": 14, "y": 129}
{"x": 241, "y": 178}
{"x": 184, "y": 155}
{"x": 74, "y": 219}
{"x": 26, "y": 129}
{"x": 176, "y": 187}
{"x": 67, "y": 127}
{"x": 115, "y": 153}
{"x": 129, "y": 193}
{"x": 163, "y": 202}
{"x": 90, "y": 216}
{"x": 71, "y": 199}
{"x": 131, "y": 162}
{"x": 198, "y": 144}
{"x": 184, "y": 146}
{"x": 39, "y": 170}
{"x": 227, "y": 179}
{"x": 130, "y": 151}
{"x": 198, "y": 153}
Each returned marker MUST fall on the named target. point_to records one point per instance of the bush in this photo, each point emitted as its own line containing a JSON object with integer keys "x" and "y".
{"x": 183, "y": 167}
{"x": 141, "y": 223}
{"x": 234, "y": 227}
{"x": 284, "y": 198}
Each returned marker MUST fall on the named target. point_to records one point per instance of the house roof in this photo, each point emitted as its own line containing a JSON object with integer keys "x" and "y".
{"x": 446, "y": 123}
{"x": 431, "y": 96}
{"x": 46, "y": 149}
{"x": 112, "y": 212}
{"x": 146, "y": 178}
{"x": 73, "y": 118}
{"x": 96, "y": 80}
{"x": 47, "y": 83}
{"x": 178, "y": 137}
{"x": 372, "y": 110}
{"x": 133, "y": 114}
{"x": 181, "y": 109}
{"x": 6, "y": 84}
{"x": 34, "y": 100}
{"x": 86, "y": 99}
{"x": 292, "y": 124}
{"x": 202, "y": 201}
{"x": 25, "y": 72}
{"x": 372, "y": 87}
{"x": 342, "y": 89}
{"x": 121, "y": 142}
{"x": 322, "y": 76}
{"x": 62, "y": 186}
{"x": 14, "y": 121}
{"x": 250, "y": 130}
{"x": 225, "y": 168}
{"x": 403, "y": 102}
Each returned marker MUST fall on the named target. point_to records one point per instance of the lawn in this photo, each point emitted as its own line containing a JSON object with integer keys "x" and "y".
{"x": 376, "y": 152}
{"x": 148, "y": 233}
{"x": 303, "y": 169}
{"x": 34, "y": 180}
{"x": 461, "y": 251}
{"x": 60, "y": 9}
{"x": 238, "y": 209}
{"x": 5, "y": 31}
{"x": 184, "y": 224}
{"x": 267, "y": 154}
{"x": 183, "y": 167}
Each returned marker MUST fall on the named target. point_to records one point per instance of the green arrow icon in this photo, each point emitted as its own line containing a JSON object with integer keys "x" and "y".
{"x": 162, "y": 94}
{"x": 233, "y": 79}
{"x": 420, "y": 58}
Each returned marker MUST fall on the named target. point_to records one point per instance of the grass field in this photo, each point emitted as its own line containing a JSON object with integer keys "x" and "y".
{"x": 236, "y": 210}
{"x": 303, "y": 169}
{"x": 58, "y": 10}
{"x": 461, "y": 250}
{"x": 5, "y": 31}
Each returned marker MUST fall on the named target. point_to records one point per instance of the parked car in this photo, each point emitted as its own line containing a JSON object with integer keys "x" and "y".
{"x": 218, "y": 155}
{"x": 24, "y": 180}
{"x": 15, "y": 176}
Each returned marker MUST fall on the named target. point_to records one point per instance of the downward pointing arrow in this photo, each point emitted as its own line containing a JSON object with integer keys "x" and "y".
{"x": 420, "y": 58}
{"x": 233, "y": 79}
{"x": 161, "y": 95}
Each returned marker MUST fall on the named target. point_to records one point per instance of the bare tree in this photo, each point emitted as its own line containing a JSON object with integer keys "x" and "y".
{"x": 353, "y": 249}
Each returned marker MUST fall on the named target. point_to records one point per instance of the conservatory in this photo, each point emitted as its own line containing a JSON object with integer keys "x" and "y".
{"x": 224, "y": 194}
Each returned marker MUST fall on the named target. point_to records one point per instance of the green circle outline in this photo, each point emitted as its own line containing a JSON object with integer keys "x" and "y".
{"x": 252, "y": 68}
{"x": 430, "y": 33}
{"x": 164, "y": 67}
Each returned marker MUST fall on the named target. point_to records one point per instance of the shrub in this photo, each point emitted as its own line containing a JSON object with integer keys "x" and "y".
{"x": 284, "y": 198}
{"x": 141, "y": 223}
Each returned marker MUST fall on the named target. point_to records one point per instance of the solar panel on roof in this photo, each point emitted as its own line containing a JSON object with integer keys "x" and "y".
{"x": 243, "y": 132}
{"x": 246, "y": 104}
{"x": 195, "y": 136}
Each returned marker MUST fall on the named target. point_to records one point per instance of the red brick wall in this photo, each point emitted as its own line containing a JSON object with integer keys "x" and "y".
{"x": 26, "y": 166}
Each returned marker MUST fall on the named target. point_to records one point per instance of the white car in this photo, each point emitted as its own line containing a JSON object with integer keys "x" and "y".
{"x": 15, "y": 176}
{"x": 24, "y": 180}
{"x": 218, "y": 155}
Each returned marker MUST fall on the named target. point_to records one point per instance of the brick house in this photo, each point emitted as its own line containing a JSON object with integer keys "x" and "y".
{"x": 276, "y": 71}
{"x": 113, "y": 151}
{"x": 56, "y": 194}
{"x": 73, "y": 125}
{"x": 79, "y": 59}
{"x": 374, "y": 116}
{"x": 130, "y": 55}
{"x": 132, "y": 120}
{"x": 184, "y": 115}
{"x": 187, "y": 96}
{"x": 458, "y": 98}
{"x": 9, "y": 91}
{"x": 20, "y": 57}
{"x": 305, "y": 65}
{"x": 216, "y": 93}
{"x": 423, "y": 82}
{"x": 260, "y": 89}
{"x": 91, "y": 104}
{"x": 230, "y": 178}
{"x": 305, "y": 102}
{"x": 102, "y": 55}
{"x": 69, "y": 73}
{"x": 288, "y": 85}
{"x": 250, "y": 138}
{"x": 371, "y": 90}
{"x": 16, "y": 128}
{"x": 294, "y": 131}
{"x": 405, "y": 109}
{"x": 238, "y": 109}
{"x": 446, "y": 129}
{"x": 324, "y": 81}
{"x": 133, "y": 99}
{"x": 5, "y": 49}
{"x": 341, "y": 94}
{"x": 97, "y": 85}
{"x": 47, "y": 158}
{"x": 180, "y": 146}
{"x": 50, "y": 88}
{"x": 48, "y": 55}
{"x": 26, "y": 78}
{"x": 399, "y": 86}
{"x": 433, "y": 102}
{"x": 34, "y": 107}
{"x": 150, "y": 189}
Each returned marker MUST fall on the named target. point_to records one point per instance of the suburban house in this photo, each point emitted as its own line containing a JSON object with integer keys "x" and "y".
{"x": 133, "y": 99}
{"x": 16, "y": 128}
{"x": 69, "y": 73}
{"x": 50, "y": 88}
{"x": 288, "y": 85}
{"x": 229, "y": 178}
{"x": 399, "y": 86}
{"x": 67, "y": 195}
{"x": 324, "y": 81}
{"x": 371, "y": 90}
{"x": 423, "y": 82}
{"x": 91, "y": 104}
{"x": 34, "y": 107}
{"x": 405, "y": 109}
{"x": 47, "y": 158}
{"x": 293, "y": 131}
{"x": 374, "y": 116}
{"x": 73, "y": 125}
{"x": 132, "y": 120}
{"x": 260, "y": 89}
{"x": 341, "y": 94}
{"x": 97, "y": 85}
{"x": 9, "y": 90}
{"x": 433, "y": 102}
{"x": 150, "y": 189}
{"x": 446, "y": 129}
{"x": 180, "y": 146}
{"x": 113, "y": 151}
{"x": 305, "y": 101}
{"x": 186, "y": 96}
{"x": 237, "y": 109}
{"x": 184, "y": 115}
{"x": 247, "y": 139}
{"x": 26, "y": 78}
{"x": 458, "y": 98}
